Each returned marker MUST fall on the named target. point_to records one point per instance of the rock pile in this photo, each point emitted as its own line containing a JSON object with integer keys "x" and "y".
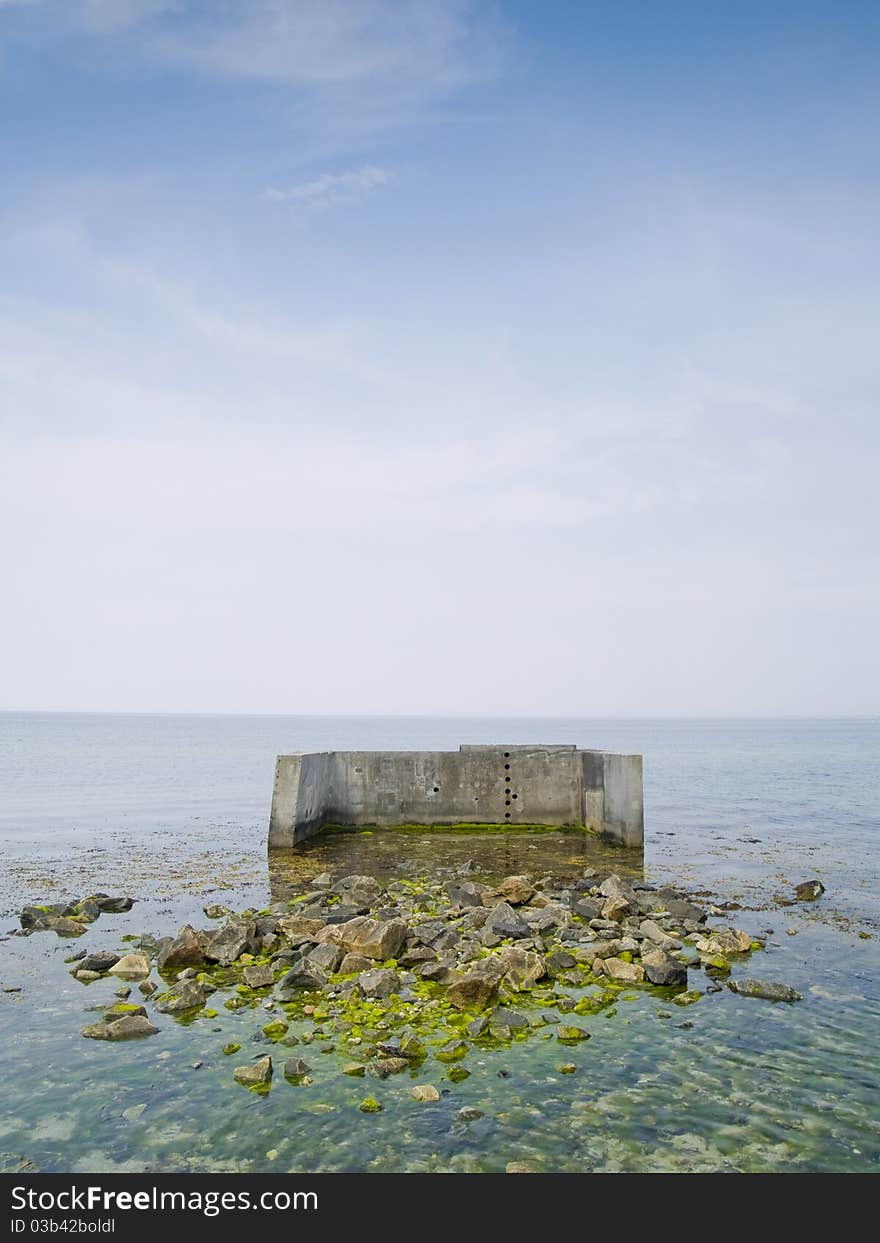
{"x": 389, "y": 976}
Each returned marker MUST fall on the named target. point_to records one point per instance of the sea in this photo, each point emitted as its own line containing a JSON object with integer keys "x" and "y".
{"x": 174, "y": 811}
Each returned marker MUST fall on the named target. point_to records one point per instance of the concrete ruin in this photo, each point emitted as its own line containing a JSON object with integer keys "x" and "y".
{"x": 474, "y": 786}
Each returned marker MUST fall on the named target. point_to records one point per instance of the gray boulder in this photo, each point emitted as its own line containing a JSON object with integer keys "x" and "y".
{"x": 184, "y": 995}
{"x": 184, "y": 950}
{"x": 379, "y": 982}
{"x": 503, "y": 922}
{"x": 765, "y": 990}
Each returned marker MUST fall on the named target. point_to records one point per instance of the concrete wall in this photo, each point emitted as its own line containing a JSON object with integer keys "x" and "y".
{"x": 474, "y": 785}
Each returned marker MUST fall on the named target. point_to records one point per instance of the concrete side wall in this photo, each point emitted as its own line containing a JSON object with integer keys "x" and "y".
{"x": 476, "y": 785}
{"x": 302, "y": 794}
{"x": 624, "y": 816}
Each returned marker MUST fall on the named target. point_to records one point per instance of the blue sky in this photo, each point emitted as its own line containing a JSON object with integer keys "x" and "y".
{"x": 360, "y": 356}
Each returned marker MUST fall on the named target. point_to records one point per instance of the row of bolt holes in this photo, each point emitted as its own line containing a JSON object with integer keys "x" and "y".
{"x": 507, "y": 785}
{"x": 506, "y": 791}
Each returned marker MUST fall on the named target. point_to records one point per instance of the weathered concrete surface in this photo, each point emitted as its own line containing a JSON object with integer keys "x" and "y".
{"x": 553, "y": 785}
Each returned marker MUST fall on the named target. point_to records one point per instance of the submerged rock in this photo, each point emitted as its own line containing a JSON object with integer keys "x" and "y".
{"x": 424, "y": 1092}
{"x": 764, "y": 989}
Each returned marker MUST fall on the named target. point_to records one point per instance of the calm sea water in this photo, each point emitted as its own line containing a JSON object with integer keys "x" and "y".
{"x": 175, "y": 809}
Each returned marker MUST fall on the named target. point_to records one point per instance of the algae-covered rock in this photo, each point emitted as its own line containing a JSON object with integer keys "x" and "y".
{"x": 452, "y": 1052}
{"x": 44, "y": 917}
{"x": 258, "y": 975}
{"x": 122, "y": 1008}
{"x": 182, "y": 996}
{"x": 568, "y": 1033}
{"x": 809, "y": 890}
{"x": 369, "y": 1105}
{"x": 257, "y": 1075}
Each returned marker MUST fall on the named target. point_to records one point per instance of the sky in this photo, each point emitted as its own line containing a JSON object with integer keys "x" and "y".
{"x": 436, "y": 357}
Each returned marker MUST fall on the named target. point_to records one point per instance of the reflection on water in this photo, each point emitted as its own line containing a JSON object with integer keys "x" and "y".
{"x": 388, "y": 853}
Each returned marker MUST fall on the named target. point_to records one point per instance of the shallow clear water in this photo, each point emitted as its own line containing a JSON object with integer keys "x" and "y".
{"x": 174, "y": 810}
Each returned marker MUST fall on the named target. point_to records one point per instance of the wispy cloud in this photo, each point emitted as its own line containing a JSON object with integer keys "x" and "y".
{"x": 331, "y": 188}
{"x": 434, "y": 43}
